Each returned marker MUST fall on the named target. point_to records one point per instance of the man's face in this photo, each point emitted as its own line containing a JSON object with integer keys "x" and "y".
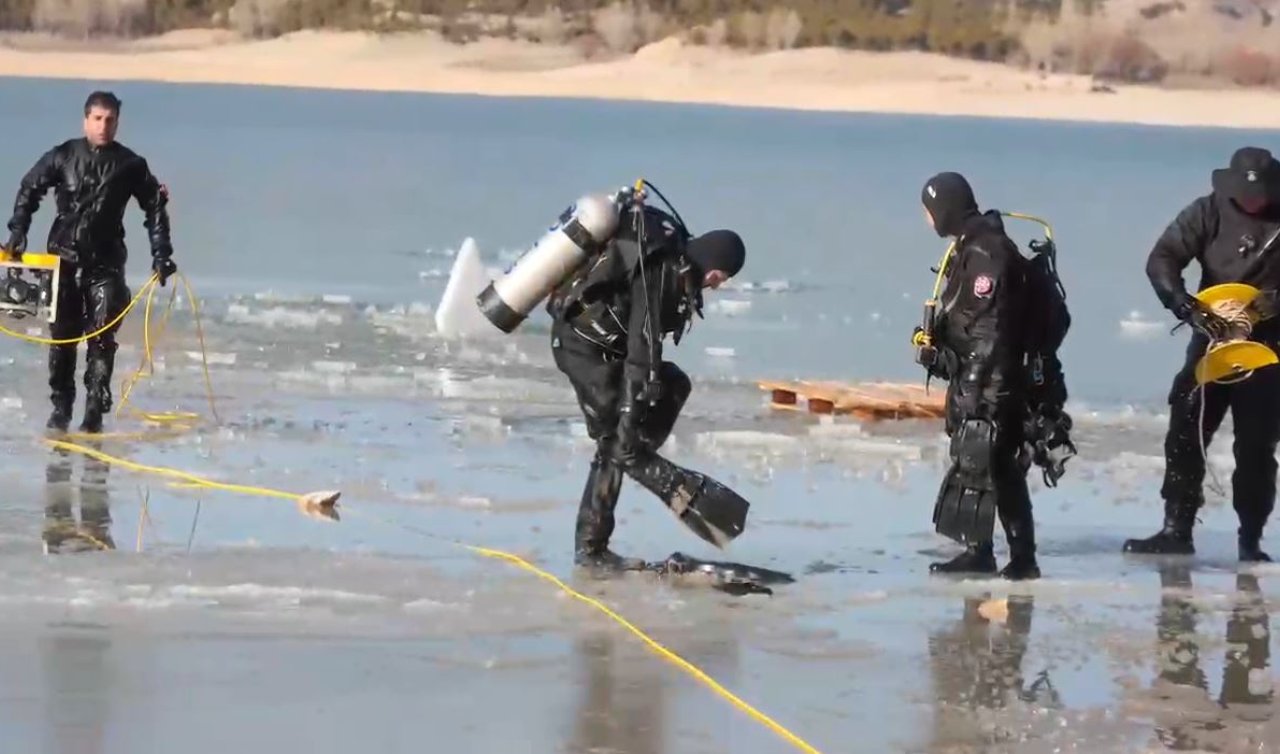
{"x": 100, "y": 125}
{"x": 714, "y": 279}
{"x": 928, "y": 217}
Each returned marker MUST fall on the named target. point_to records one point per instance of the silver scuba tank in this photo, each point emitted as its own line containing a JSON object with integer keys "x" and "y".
{"x": 580, "y": 233}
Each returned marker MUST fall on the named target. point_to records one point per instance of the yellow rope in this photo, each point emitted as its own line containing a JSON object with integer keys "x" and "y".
{"x": 162, "y": 471}
{"x": 661, "y": 651}
{"x": 151, "y": 282}
{"x": 183, "y": 420}
{"x": 195, "y": 481}
{"x": 189, "y": 480}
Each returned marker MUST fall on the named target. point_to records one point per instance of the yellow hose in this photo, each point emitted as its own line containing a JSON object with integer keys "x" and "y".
{"x": 191, "y": 480}
{"x": 923, "y": 339}
{"x": 176, "y": 420}
{"x": 148, "y": 289}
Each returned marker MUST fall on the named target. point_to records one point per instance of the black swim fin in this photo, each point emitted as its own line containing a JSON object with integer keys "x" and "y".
{"x": 711, "y": 510}
{"x": 962, "y": 513}
{"x": 733, "y": 578}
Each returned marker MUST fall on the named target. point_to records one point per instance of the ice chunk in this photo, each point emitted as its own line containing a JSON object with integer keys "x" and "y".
{"x": 1137, "y": 327}
{"x": 827, "y": 427}
{"x": 214, "y": 358}
{"x": 864, "y": 447}
{"x": 720, "y": 352}
{"x": 730, "y": 307}
{"x": 334, "y": 367}
{"x": 279, "y": 316}
{"x": 275, "y": 297}
{"x": 747, "y": 440}
{"x": 458, "y": 315}
{"x": 380, "y": 384}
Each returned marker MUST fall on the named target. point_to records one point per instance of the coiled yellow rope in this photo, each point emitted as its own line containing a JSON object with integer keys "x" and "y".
{"x": 179, "y": 420}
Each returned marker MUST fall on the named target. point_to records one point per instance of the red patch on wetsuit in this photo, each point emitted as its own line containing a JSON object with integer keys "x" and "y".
{"x": 983, "y": 285}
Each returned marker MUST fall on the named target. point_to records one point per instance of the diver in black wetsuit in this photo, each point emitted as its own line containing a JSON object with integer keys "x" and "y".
{"x": 994, "y": 340}
{"x": 1234, "y": 233}
{"x": 93, "y": 179}
{"x": 609, "y": 323}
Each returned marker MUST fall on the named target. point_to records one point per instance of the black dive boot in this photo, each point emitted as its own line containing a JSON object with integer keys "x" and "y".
{"x": 62, "y": 384}
{"x": 1022, "y": 550}
{"x": 92, "y": 421}
{"x": 595, "y": 519}
{"x": 1174, "y": 538}
{"x": 60, "y": 418}
{"x": 98, "y": 366}
{"x": 1249, "y": 540}
{"x": 977, "y": 558}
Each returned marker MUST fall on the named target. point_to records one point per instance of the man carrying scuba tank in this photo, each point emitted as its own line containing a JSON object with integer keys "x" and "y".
{"x": 994, "y": 338}
{"x": 609, "y": 321}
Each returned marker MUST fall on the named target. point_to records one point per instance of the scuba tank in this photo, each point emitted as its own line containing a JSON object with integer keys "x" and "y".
{"x": 581, "y": 232}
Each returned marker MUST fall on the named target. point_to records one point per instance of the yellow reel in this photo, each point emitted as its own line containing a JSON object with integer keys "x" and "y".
{"x": 1233, "y": 360}
{"x": 1225, "y": 293}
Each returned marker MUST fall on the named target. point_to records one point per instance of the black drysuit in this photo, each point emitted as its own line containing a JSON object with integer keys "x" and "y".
{"x": 609, "y": 322}
{"x": 92, "y": 186}
{"x": 1231, "y": 246}
{"x": 980, "y": 339}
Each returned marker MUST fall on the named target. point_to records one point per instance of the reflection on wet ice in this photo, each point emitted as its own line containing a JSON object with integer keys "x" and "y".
{"x": 1185, "y": 715}
{"x": 977, "y": 667}
{"x": 61, "y": 530}
{"x": 620, "y": 705}
{"x": 630, "y": 701}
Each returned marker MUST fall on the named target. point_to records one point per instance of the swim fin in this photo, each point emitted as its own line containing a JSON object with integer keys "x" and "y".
{"x": 964, "y": 514}
{"x": 733, "y": 578}
{"x": 711, "y": 510}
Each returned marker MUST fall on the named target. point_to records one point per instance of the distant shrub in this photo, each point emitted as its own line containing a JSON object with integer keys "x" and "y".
{"x": 258, "y": 18}
{"x": 782, "y": 28}
{"x": 1248, "y": 67}
{"x": 82, "y": 18}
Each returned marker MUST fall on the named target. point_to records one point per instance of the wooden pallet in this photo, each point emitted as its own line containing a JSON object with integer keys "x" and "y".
{"x": 866, "y": 400}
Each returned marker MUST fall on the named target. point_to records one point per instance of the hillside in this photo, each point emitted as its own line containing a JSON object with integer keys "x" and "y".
{"x": 1172, "y": 41}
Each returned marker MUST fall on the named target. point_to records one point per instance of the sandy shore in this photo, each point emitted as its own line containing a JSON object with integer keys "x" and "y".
{"x": 667, "y": 71}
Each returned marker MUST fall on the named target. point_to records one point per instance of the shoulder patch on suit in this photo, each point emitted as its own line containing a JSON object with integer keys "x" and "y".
{"x": 983, "y": 286}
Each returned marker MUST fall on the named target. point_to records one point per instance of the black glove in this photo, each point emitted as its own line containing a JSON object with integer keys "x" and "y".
{"x": 17, "y": 243}
{"x": 938, "y": 362}
{"x": 926, "y": 355}
{"x": 164, "y": 267}
{"x": 1048, "y": 439}
{"x": 1203, "y": 319}
{"x": 1267, "y": 304}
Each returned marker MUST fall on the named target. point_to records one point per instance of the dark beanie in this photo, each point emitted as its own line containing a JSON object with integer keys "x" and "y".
{"x": 949, "y": 198}
{"x": 718, "y": 250}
